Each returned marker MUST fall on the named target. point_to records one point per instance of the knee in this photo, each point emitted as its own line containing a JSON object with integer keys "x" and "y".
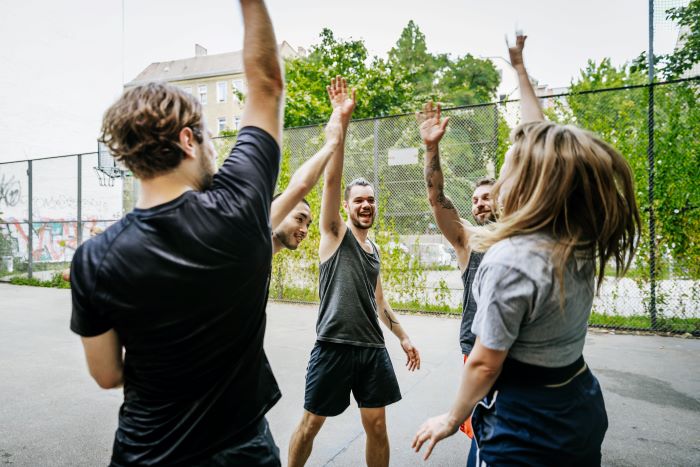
{"x": 376, "y": 428}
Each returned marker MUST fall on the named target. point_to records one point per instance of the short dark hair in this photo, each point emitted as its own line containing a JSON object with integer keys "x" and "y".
{"x": 484, "y": 181}
{"x": 357, "y": 182}
{"x": 303, "y": 200}
{"x": 142, "y": 128}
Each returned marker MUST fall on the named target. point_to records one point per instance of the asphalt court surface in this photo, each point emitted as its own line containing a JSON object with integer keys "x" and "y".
{"x": 53, "y": 414}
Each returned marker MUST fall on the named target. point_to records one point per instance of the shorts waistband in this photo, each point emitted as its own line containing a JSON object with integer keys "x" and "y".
{"x": 524, "y": 374}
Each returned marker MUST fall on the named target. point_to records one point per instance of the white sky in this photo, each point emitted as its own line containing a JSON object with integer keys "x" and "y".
{"x": 63, "y": 62}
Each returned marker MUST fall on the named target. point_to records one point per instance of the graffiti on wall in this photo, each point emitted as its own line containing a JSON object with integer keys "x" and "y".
{"x": 53, "y": 241}
{"x": 9, "y": 190}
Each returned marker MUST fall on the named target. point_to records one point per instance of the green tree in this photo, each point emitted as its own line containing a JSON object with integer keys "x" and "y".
{"x": 379, "y": 91}
{"x": 688, "y": 54}
{"x": 620, "y": 117}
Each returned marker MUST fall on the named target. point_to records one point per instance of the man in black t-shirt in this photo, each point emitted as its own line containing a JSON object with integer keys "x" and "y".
{"x": 170, "y": 301}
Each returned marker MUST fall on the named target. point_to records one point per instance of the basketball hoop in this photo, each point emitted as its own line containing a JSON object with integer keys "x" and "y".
{"x": 108, "y": 170}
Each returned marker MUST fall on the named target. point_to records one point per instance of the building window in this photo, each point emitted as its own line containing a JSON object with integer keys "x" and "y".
{"x": 221, "y": 124}
{"x": 236, "y": 122}
{"x": 221, "y": 91}
{"x": 203, "y": 94}
{"x": 187, "y": 89}
{"x": 238, "y": 87}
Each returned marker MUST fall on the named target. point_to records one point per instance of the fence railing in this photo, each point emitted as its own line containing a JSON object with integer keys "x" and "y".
{"x": 49, "y": 206}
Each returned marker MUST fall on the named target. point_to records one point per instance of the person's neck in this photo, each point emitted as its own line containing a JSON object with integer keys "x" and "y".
{"x": 360, "y": 234}
{"x": 160, "y": 190}
{"x": 276, "y": 244}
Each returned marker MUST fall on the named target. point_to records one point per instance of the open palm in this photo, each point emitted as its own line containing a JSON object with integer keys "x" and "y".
{"x": 431, "y": 128}
{"x": 340, "y": 98}
{"x": 516, "y": 52}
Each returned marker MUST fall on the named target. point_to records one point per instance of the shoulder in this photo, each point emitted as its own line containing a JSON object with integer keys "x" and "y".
{"x": 528, "y": 254}
{"x": 89, "y": 256}
{"x": 256, "y": 136}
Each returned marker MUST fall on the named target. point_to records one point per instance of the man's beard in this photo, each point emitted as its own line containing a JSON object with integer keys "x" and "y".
{"x": 356, "y": 222}
{"x": 283, "y": 238}
{"x": 206, "y": 174}
{"x": 491, "y": 217}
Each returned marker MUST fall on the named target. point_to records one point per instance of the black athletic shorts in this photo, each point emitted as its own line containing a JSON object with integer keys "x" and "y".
{"x": 255, "y": 447}
{"x": 337, "y": 369}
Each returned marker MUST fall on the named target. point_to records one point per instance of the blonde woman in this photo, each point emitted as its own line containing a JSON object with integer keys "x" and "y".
{"x": 567, "y": 207}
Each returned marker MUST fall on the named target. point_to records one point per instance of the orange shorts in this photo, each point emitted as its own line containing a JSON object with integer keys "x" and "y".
{"x": 466, "y": 427}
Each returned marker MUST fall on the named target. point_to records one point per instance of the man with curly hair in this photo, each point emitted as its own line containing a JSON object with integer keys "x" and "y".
{"x": 170, "y": 301}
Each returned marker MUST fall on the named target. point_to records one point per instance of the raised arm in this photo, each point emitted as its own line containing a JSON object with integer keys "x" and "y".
{"x": 446, "y": 216}
{"x": 331, "y": 224}
{"x": 530, "y": 110}
{"x": 263, "y": 70}
{"x": 306, "y": 176}
{"x": 391, "y": 321}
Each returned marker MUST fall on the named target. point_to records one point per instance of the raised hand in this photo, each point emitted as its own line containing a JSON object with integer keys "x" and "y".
{"x": 341, "y": 99}
{"x": 412, "y": 355}
{"x": 430, "y": 126}
{"x": 516, "y": 52}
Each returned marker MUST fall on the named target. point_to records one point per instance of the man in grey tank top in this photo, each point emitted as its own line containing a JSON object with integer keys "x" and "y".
{"x": 453, "y": 227}
{"x": 349, "y": 354}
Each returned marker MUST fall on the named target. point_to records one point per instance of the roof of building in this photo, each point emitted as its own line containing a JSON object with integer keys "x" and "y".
{"x": 203, "y": 66}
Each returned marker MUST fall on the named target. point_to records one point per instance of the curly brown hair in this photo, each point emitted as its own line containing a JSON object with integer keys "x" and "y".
{"x": 142, "y": 128}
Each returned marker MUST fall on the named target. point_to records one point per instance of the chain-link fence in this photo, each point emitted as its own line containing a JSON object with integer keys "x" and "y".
{"x": 660, "y": 292}
{"x": 47, "y": 207}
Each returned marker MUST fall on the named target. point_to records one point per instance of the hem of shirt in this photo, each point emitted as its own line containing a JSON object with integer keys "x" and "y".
{"x": 82, "y": 332}
{"x": 211, "y": 450}
{"x": 335, "y": 340}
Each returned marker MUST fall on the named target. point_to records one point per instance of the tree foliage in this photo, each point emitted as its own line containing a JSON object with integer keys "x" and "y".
{"x": 401, "y": 83}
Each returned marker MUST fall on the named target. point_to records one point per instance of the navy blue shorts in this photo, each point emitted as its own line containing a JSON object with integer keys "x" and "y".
{"x": 537, "y": 425}
{"x": 335, "y": 370}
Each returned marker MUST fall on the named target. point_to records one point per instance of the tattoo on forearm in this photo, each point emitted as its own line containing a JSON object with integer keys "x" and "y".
{"x": 391, "y": 321}
{"x": 444, "y": 201}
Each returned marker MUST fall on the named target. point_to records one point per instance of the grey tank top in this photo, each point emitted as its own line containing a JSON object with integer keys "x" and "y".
{"x": 348, "y": 310}
{"x": 466, "y": 336}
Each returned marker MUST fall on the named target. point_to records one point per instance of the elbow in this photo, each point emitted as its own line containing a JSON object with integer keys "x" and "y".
{"x": 108, "y": 381}
{"x": 485, "y": 370}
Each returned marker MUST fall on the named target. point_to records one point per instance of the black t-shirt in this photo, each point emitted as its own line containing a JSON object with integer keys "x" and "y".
{"x": 184, "y": 285}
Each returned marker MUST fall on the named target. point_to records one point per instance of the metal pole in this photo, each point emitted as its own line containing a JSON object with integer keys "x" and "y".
{"x": 494, "y": 157}
{"x": 376, "y": 165}
{"x": 80, "y": 199}
{"x": 30, "y": 230}
{"x": 651, "y": 168}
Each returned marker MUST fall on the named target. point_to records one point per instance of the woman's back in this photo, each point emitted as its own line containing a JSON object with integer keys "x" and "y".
{"x": 519, "y": 304}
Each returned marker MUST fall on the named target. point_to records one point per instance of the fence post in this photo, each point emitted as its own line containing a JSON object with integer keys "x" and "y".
{"x": 80, "y": 199}
{"x": 494, "y": 158}
{"x": 376, "y": 164}
{"x": 651, "y": 169}
{"x": 30, "y": 230}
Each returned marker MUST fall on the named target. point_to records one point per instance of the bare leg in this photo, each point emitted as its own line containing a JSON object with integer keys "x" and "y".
{"x": 303, "y": 439}
{"x": 377, "y": 449}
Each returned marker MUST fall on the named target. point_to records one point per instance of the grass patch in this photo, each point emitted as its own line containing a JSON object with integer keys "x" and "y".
{"x": 682, "y": 325}
{"x": 56, "y": 281}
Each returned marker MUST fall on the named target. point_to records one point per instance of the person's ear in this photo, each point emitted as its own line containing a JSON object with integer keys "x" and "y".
{"x": 187, "y": 142}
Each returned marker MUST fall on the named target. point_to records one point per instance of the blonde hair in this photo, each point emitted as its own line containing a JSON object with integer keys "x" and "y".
{"x": 566, "y": 182}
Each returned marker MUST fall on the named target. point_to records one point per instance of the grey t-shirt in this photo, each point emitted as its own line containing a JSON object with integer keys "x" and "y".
{"x": 519, "y": 307}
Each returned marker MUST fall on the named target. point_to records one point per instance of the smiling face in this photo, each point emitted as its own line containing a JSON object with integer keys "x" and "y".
{"x": 360, "y": 206}
{"x": 482, "y": 210}
{"x": 294, "y": 228}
